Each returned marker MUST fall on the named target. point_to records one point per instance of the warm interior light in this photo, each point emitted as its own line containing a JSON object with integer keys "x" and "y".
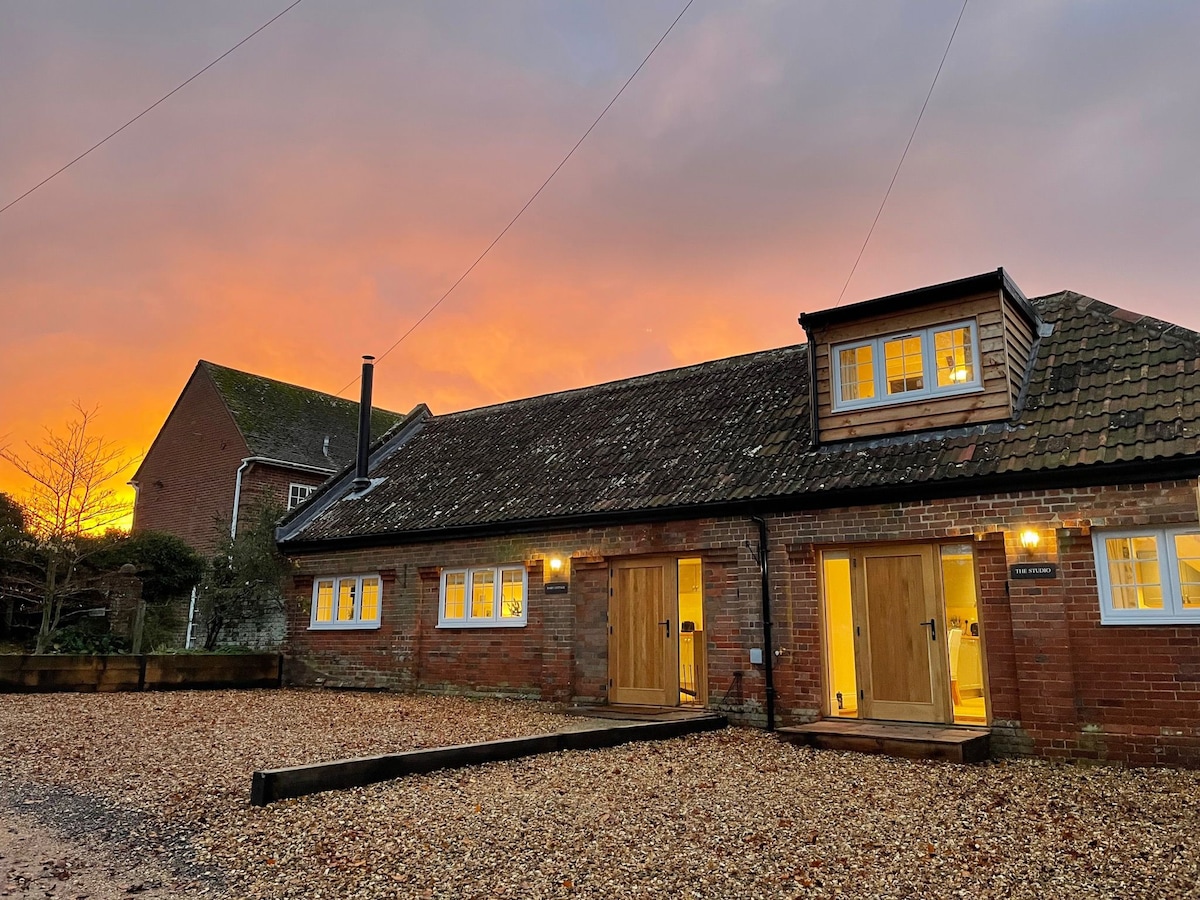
{"x": 555, "y": 564}
{"x": 1030, "y": 539}
{"x": 960, "y": 374}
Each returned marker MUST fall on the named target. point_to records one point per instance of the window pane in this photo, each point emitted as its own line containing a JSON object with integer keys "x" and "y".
{"x": 904, "y": 363}
{"x": 512, "y": 593}
{"x": 952, "y": 352}
{"x": 1133, "y": 572}
{"x": 483, "y": 593}
{"x": 456, "y": 592}
{"x": 1187, "y": 552}
{"x": 370, "y": 600}
{"x": 324, "y": 601}
{"x": 345, "y": 610}
{"x": 857, "y": 374}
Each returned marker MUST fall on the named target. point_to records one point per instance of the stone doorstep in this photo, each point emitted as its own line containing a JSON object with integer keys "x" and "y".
{"x": 269, "y": 785}
{"x": 951, "y": 743}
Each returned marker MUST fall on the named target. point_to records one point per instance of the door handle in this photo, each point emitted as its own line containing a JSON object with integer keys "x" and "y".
{"x": 932, "y": 623}
{"x": 668, "y": 624}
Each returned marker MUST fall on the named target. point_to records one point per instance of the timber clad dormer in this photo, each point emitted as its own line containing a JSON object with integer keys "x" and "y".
{"x": 940, "y": 357}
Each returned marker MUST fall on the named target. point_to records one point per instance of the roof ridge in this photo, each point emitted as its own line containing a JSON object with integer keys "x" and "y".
{"x": 633, "y": 380}
{"x": 287, "y": 384}
{"x": 1107, "y": 312}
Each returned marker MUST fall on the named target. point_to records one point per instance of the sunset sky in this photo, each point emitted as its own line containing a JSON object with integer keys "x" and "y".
{"x": 307, "y": 199}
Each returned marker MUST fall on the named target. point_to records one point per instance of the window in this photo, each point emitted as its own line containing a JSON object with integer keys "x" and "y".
{"x": 493, "y": 597}
{"x": 348, "y": 601}
{"x": 900, "y": 367}
{"x": 298, "y": 493}
{"x": 1148, "y": 576}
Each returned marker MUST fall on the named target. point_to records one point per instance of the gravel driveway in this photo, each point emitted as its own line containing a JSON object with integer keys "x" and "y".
{"x": 163, "y": 780}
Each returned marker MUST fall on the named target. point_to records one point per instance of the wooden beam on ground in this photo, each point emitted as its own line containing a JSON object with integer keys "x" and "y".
{"x": 270, "y": 785}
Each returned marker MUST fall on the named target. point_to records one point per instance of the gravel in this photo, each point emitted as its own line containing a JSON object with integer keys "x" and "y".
{"x": 727, "y": 814}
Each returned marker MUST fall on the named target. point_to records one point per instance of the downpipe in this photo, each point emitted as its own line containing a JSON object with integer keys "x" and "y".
{"x": 768, "y": 644}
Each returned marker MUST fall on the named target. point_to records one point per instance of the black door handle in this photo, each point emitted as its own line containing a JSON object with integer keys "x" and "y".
{"x": 668, "y": 624}
{"x": 932, "y": 623}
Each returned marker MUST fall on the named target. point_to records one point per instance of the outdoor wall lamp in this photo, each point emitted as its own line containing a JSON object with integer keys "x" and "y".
{"x": 556, "y": 564}
{"x": 1030, "y": 539}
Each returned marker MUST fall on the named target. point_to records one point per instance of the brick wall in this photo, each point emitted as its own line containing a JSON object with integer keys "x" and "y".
{"x": 1060, "y": 684}
{"x": 186, "y": 481}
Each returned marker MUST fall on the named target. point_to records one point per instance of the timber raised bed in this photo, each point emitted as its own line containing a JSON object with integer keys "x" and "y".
{"x": 146, "y": 672}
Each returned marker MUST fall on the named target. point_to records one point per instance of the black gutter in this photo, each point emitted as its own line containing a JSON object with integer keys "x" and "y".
{"x": 838, "y": 498}
{"x": 768, "y": 644}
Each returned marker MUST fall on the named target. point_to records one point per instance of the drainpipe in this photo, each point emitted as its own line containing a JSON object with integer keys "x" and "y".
{"x": 768, "y": 645}
{"x": 237, "y": 494}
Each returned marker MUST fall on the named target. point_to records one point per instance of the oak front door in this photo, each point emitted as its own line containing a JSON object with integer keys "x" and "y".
{"x": 902, "y": 634}
{"x": 642, "y": 639}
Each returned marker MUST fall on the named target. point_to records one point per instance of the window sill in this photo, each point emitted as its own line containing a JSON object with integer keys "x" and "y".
{"x": 900, "y": 400}
{"x": 1165, "y": 619}
{"x": 344, "y": 626}
{"x": 512, "y": 623}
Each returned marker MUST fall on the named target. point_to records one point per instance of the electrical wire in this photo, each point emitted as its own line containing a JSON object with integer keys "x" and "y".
{"x": 165, "y": 96}
{"x": 528, "y": 202}
{"x": 896, "y": 174}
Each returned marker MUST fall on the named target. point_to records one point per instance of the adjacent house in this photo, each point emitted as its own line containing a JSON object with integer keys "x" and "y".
{"x": 953, "y": 505}
{"x": 234, "y": 441}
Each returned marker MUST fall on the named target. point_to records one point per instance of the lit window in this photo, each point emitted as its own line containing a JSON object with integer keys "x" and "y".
{"x": 857, "y": 373}
{"x": 347, "y": 601}
{"x": 896, "y": 368}
{"x": 483, "y": 597}
{"x": 954, "y": 356}
{"x": 905, "y": 363}
{"x": 298, "y": 493}
{"x": 1148, "y": 576}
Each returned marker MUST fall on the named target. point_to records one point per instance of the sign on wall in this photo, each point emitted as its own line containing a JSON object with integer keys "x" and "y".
{"x": 1032, "y": 571}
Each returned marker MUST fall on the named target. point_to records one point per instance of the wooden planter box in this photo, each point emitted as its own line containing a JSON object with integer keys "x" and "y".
{"x": 138, "y": 673}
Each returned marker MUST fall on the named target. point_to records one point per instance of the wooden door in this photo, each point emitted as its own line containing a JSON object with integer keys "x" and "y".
{"x": 642, "y": 629}
{"x": 902, "y": 669}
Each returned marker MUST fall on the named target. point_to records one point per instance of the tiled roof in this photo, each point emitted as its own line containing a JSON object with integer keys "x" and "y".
{"x": 1106, "y": 386}
{"x": 291, "y": 423}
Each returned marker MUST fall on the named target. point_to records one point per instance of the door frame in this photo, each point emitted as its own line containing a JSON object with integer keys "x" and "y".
{"x": 668, "y": 634}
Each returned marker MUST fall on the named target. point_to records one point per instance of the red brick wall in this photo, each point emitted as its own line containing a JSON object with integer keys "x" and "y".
{"x": 187, "y": 478}
{"x": 1060, "y": 683}
{"x": 269, "y": 484}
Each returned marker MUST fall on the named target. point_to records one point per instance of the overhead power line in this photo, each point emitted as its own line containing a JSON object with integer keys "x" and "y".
{"x": 165, "y": 96}
{"x": 896, "y": 174}
{"x": 529, "y": 202}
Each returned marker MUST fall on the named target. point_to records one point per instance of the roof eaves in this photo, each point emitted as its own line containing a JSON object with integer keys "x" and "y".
{"x": 1123, "y": 472}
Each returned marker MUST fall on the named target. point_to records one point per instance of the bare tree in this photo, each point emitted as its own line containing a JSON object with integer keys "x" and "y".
{"x": 69, "y": 503}
{"x": 70, "y": 473}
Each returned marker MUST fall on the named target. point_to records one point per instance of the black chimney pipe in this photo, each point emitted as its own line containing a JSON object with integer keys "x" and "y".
{"x": 361, "y": 480}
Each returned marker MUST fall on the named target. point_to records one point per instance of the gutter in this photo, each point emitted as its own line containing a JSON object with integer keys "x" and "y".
{"x": 247, "y": 463}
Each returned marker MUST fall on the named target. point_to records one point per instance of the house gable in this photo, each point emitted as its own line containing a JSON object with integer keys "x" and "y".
{"x": 185, "y": 483}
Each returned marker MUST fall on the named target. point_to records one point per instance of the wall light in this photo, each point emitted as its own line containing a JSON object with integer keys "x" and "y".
{"x": 1030, "y": 539}
{"x": 555, "y": 564}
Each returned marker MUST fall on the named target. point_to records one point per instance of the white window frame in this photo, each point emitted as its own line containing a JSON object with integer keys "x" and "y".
{"x": 1172, "y": 612}
{"x": 928, "y": 363}
{"x": 296, "y": 487}
{"x": 495, "y": 620}
{"x": 356, "y": 621}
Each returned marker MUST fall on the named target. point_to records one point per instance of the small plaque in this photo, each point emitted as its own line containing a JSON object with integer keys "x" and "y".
{"x": 557, "y": 587}
{"x": 1033, "y": 571}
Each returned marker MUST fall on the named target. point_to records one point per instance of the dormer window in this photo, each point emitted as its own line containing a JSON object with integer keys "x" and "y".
{"x": 911, "y": 365}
